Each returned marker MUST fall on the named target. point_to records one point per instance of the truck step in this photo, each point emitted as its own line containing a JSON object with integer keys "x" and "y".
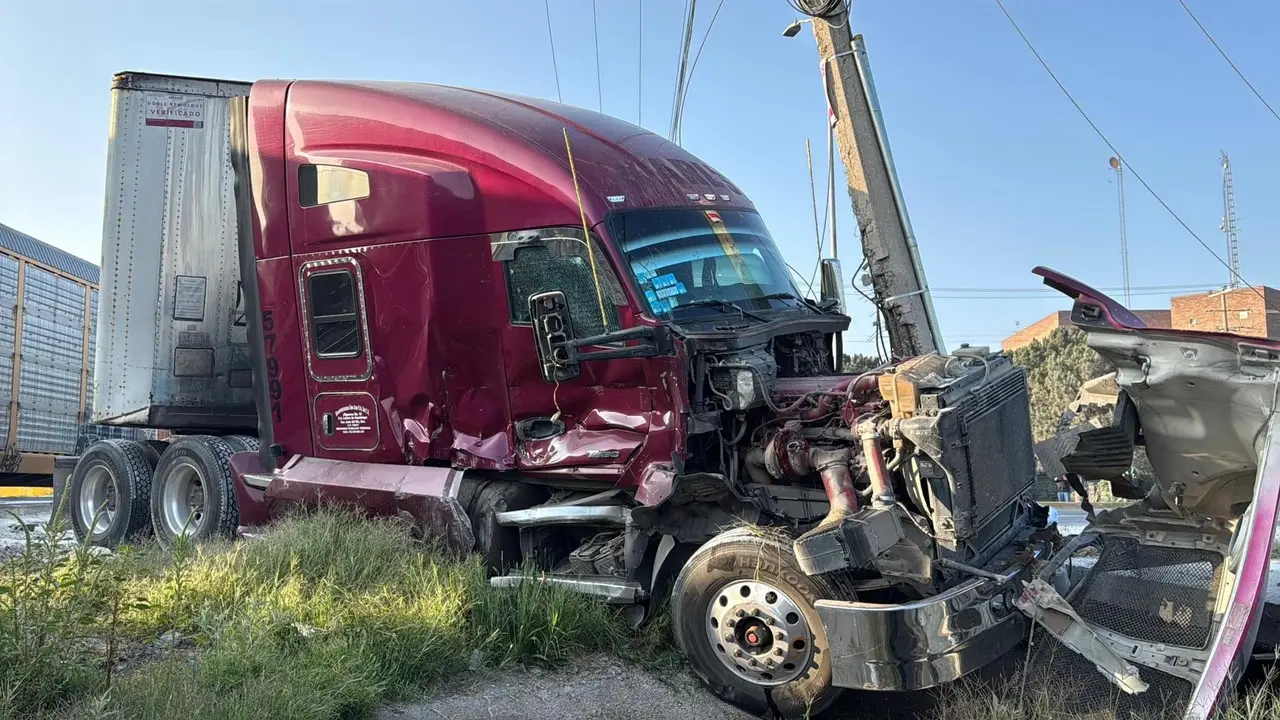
{"x": 606, "y": 587}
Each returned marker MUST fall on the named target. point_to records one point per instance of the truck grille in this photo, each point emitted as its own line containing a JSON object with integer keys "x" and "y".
{"x": 1156, "y": 594}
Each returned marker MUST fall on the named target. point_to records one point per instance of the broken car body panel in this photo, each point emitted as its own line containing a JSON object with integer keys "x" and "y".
{"x": 1206, "y": 408}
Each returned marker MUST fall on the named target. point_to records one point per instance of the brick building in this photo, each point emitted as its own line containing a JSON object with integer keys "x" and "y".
{"x": 1242, "y": 311}
{"x": 1062, "y": 318}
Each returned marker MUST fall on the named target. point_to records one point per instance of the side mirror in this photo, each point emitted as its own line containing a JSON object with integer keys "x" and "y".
{"x": 552, "y": 330}
{"x": 833, "y": 285}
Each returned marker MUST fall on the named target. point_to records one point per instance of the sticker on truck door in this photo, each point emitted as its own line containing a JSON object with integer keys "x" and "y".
{"x": 174, "y": 111}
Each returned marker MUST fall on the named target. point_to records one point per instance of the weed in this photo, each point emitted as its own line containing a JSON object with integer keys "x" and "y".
{"x": 327, "y": 616}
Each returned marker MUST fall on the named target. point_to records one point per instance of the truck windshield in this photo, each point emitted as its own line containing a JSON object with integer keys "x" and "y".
{"x": 689, "y": 258}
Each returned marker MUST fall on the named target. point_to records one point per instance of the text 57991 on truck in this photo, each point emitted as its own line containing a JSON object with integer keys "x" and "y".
{"x": 552, "y": 337}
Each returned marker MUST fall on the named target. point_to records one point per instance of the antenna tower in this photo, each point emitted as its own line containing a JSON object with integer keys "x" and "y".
{"x": 1118, "y": 166}
{"x": 1229, "y": 222}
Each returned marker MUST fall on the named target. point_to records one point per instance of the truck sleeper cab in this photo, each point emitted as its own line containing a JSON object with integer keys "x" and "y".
{"x": 551, "y": 337}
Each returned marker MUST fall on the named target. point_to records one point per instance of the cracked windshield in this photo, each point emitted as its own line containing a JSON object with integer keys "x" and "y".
{"x": 704, "y": 258}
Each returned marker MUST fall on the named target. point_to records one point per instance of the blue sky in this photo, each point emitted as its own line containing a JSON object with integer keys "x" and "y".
{"x": 998, "y": 171}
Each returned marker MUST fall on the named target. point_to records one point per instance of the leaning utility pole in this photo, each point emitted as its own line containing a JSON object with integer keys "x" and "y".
{"x": 888, "y": 246}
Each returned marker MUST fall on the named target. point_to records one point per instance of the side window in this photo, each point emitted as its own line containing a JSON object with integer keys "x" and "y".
{"x": 335, "y": 320}
{"x": 557, "y": 259}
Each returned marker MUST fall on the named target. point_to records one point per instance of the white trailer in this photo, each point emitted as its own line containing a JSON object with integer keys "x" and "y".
{"x": 172, "y": 350}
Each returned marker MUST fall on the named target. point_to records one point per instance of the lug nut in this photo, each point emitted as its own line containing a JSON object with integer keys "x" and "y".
{"x": 741, "y": 613}
{"x": 754, "y": 663}
{"x": 730, "y": 622}
{"x": 728, "y": 637}
{"x": 778, "y": 637}
{"x": 771, "y": 621}
{"x": 737, "y": 653}
{"x": 779, "y": 652}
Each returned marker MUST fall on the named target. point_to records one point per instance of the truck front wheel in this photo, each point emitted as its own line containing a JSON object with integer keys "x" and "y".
{"x": 110, "y": 490}
{"x": 194, "y": 493}
{"x": 744, "y": 616}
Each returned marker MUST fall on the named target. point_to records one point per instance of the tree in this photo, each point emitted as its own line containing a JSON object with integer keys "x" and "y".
{"x": 1056, "y": 367}
{"x": 857, "y": 363}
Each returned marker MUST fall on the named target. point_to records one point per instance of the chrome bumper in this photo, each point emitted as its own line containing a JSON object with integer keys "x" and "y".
{"x": 918, "y": 645}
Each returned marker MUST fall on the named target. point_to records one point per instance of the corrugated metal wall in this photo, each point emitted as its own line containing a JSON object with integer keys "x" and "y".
{"x": 8, "y": 326}
{"x": 50, "y": 354}
{"x": 52, "y": 362}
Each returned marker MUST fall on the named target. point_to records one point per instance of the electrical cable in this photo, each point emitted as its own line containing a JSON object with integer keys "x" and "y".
{"x": 546, "y": 4}
{"x": 1132, "y": 170}
{"x": 693, "y": 67}
{"x": 640, "y": 63}
{"x": 595, "y": 33}
{"x": 1223, "y": 53}
{"x": 827, "y": 10}
{"x": 586, "y": 231}
{"x": 813, "y": 196}
{"x": 691, "y": 9}
{"x": 1187, "y": 286}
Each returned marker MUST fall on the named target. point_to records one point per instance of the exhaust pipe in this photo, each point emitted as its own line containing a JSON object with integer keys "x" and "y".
{"x": 881, "y": 485}
{"x": 837, "y": 481}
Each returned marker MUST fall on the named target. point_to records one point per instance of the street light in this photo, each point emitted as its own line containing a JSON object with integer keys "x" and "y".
{"x": 794, "y": 28}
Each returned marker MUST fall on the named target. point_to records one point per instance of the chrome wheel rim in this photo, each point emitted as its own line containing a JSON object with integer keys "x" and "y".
{"x": 759, "y": 632}
{"x": 97, "y": 504}
{"x": 183, "y": 499}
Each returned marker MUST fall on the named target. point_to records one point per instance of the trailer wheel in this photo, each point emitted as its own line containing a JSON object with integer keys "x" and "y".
{"x": 744, "y": 616}
{"x": 194, "y": 493}
{"x": 243, "y": 443}
{"x": 111, "y": 492}
{"x": 155, "y": 448}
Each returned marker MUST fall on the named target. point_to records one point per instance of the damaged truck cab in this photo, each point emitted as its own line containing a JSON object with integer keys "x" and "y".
{"x": 558, "y": 340}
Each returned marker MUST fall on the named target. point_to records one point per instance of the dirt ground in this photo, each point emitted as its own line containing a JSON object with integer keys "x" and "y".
{"x": 604, "y": 688}
{"x": 30, "y": 517}
{"x": 597, "y": 688}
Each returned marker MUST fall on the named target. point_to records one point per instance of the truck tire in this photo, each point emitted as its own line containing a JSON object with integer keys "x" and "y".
{"x": 775, "y": 656}
{"x": 154, "y": 448}
{"x": 110, "y": 492}
{"x": 243, "y": 443}
{"x": 499, "y": 546}
{"x": 194, "y": 493}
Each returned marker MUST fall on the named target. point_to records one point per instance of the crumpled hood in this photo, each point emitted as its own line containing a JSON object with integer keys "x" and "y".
{"x": 1203, "y": 399}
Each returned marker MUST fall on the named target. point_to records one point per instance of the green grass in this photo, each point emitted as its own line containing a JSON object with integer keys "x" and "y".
{"x": 972, "y": 700}
{"x": 327, "y": 616}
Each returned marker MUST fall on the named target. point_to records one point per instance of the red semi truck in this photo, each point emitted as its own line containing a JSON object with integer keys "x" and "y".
{"x": 557, "y": 339}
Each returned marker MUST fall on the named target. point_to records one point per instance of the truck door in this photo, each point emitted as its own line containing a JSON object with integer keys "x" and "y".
{"x": 593, "y": 424}
{"x": 340, "y": 361}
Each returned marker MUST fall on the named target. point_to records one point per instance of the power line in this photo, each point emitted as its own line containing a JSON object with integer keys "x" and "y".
{"x": 595, "y": 33}
{"x": 640, "y": 63}
{"x": 1187, "y": 286}
{"x": 691, "y": 11}
{"x": 547, "y": 6}
{"x": 1132, "y": 170}
{"x": 1223, "y": 53}
{"x": 694, "y": 66}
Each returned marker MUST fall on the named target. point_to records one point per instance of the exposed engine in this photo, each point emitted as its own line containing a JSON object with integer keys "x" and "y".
{"x": 907, "y": 473}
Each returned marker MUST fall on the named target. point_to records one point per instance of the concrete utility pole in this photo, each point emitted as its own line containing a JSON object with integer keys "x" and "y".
{"x": 893, "y": 260}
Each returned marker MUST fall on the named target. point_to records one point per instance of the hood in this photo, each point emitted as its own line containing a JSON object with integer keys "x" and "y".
{"x": 1203, "y": 401}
